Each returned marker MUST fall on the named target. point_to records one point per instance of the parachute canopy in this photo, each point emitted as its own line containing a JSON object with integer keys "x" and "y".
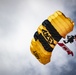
{"x": 48, "y": 35}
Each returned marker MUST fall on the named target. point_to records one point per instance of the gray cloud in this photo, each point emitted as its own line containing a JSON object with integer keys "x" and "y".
{"x": 19, "y": 20}
{"x": 71, "y": 8}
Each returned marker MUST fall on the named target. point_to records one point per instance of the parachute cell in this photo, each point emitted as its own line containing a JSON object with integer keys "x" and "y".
{"x": 48, "y": 34}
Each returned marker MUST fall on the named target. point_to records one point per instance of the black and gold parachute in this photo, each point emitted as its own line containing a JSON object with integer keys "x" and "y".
{"x": 48, "y": 35}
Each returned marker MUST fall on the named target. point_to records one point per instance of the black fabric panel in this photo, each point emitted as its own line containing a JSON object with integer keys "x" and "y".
{"x": 52, "y": 30}
{"x": 44, "y": 43}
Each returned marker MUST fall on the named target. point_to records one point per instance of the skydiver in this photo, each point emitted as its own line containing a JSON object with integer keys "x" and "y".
{"x": 70, "y": 39}
{"x": 75, "y": 37}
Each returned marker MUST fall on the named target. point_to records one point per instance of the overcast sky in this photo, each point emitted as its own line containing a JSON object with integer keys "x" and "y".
{"x": 19, "y": 20}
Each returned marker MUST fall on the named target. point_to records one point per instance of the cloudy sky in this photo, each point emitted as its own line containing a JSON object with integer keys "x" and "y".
{"x": 19, "y": 20}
